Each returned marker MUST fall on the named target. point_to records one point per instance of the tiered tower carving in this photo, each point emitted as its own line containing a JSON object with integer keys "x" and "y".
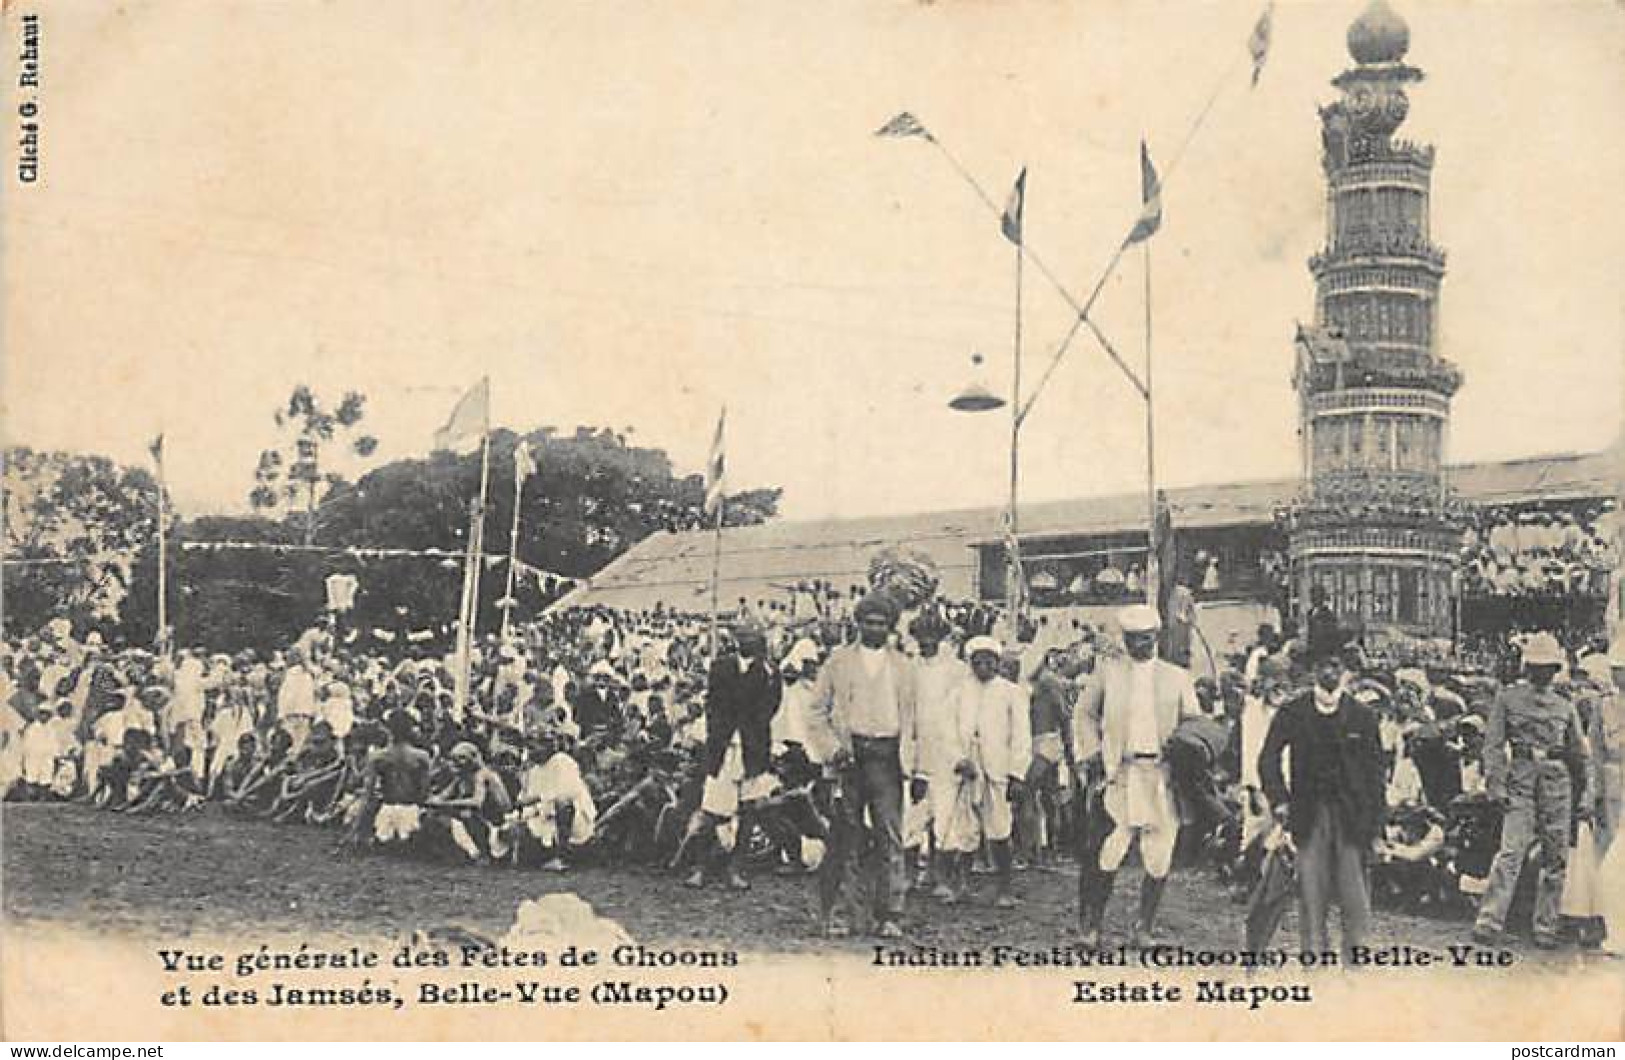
{"x": 1374, "y": 526}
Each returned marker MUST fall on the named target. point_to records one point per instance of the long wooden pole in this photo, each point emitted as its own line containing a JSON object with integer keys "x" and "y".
{"x": 1153, "y": 566}
{"x": 1081, "y": 310}
{"x": 1015, "y": 590}
{"x": 513, "y": 553}
{"x": 163, "y": 558}
{"x": 716, "y": 575}
{"x": 460, "y": 676}
{"x": 468, "y": 626}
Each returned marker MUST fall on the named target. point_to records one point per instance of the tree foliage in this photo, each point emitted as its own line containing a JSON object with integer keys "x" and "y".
{"x": 594, "y": 496}
{"x": 293, "y": 477}
{"x": 75, "y": 528}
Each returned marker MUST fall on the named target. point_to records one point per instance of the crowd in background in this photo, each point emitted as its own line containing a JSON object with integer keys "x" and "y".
{"x": 582, "y": 739}
{"x": 1539, "y": 552}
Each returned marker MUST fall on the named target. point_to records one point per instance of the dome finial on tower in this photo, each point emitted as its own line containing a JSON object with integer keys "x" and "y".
{"x": 1379, "y": 35}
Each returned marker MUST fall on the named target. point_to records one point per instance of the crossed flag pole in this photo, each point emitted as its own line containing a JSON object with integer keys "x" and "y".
{"x": 905, "y": 125}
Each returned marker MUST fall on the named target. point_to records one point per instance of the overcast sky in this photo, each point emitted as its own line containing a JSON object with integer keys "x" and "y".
{"x": 629, "y": 214}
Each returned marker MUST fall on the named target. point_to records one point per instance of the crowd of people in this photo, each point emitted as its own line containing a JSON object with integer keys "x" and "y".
{"x": 896, "y": 756}
{"x": 1539, "y": 552}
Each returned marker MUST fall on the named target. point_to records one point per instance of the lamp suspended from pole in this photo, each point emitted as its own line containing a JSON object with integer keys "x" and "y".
{"x": 976, "y": 397}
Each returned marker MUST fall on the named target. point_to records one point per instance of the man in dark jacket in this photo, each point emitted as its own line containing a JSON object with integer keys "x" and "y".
{"x": 1334, "y": 803}
{"x": 1325, "y": 635}
{"x": 741, "y": 698}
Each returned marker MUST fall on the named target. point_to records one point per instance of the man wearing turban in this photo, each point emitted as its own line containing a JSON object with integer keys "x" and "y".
{"x": 1123, "y": 720}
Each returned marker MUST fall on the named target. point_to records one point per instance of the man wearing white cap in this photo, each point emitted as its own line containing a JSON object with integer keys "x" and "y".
{"x": 1532, "y": 741}
{"x": 995, "y": 747}
{"x": 1123, "y": 719}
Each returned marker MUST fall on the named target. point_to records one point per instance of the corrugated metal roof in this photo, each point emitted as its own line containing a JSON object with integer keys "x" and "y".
{"x": 758, "y": 560}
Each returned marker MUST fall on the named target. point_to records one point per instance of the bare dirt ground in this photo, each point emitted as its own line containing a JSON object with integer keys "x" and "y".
{"x": 206, "y": 874}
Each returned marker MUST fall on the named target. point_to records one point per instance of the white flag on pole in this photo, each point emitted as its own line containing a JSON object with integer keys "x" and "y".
{"x": 469, "y": 419}
{"x": 716, "y": 469}
{"x": 524, "y": 464}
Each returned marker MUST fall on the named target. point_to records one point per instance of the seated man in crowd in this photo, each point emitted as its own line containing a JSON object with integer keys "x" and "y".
{"x": 471, "y": 806}
{"x": 1411, "y": 863}
{"x": 312, "y": 781}
{"x": 113, "y": 782}
{"x": 173, "y": 785}
{"x": 259, "y": 789}
{"x": 555, "y": 810}
{"x": 397, "y": 786}
{"x": 233, "y": 768}
{"x": 350, "y": 789}
{"x": 630, "y": 827}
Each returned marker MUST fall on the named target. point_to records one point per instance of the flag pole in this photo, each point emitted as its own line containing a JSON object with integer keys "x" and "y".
{"x": 716, "y": 574}
{"x": 471, "y": 579}
{"x": 163, "y": 555}
{"x": 479, "y": 552}
{"x": 513, "y": 553}
{"x": 1017, "y": 587}
{"x": 1153, "y": 566}
{"x": 715, "y": 482}
{"x": 460, "y": 676}
{"x": 1081, "y": 310}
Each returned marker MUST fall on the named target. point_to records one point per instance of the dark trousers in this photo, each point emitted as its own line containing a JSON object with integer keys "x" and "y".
{"x": 872, "y": 783}
{"x": 1331, "y": 869}
{"x": 1094, "y": 884}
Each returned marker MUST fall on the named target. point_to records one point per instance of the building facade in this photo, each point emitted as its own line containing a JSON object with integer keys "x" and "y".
{"x": 1375, "y": 527}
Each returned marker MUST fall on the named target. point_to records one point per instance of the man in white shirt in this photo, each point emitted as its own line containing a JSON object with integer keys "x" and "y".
{"x": 863, "y": 728}
{"x": 1122, "y": 721}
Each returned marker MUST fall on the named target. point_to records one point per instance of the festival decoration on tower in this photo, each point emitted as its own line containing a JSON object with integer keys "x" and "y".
{"x": 1375, "y": 527}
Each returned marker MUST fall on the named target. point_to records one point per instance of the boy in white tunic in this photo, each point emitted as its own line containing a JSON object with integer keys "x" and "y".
{"x": 938, "y": 675}
{"x": 995, "y": 749}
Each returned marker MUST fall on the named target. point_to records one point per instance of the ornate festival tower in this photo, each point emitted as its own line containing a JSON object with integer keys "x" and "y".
{"x": 1374, "y": 526}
